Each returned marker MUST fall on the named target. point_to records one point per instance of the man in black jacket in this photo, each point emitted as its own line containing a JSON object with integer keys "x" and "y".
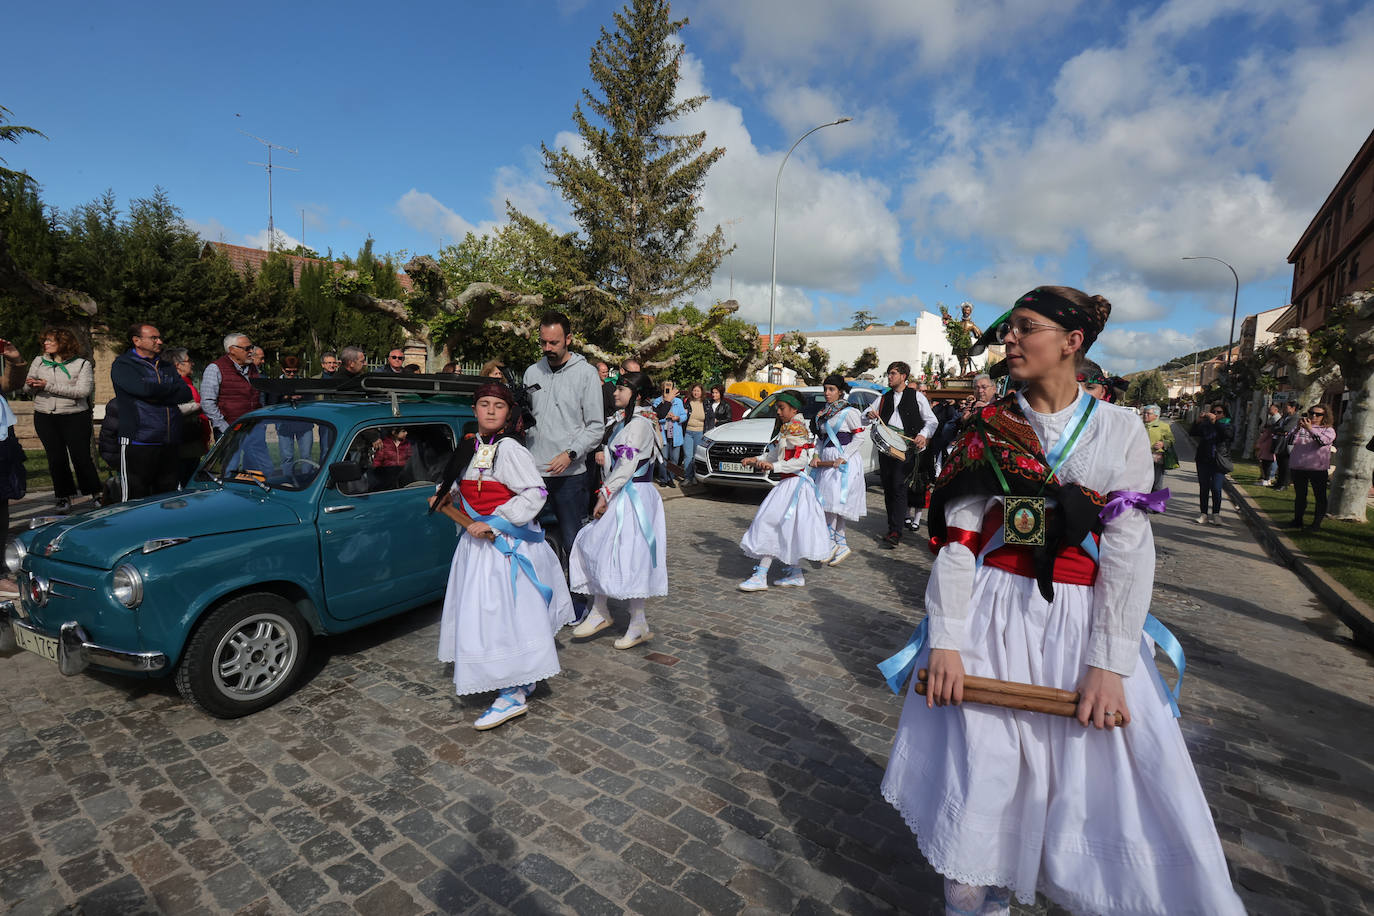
{"x": 148, "y": 390}
{"x": 1283, "y": 446}
{"x": 907, "y": 409}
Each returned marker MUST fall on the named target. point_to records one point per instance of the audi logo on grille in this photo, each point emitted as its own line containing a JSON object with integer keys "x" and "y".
{"x": 738, "y": 450}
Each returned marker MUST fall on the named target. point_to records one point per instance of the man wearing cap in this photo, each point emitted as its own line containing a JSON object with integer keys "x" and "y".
{"x": 907, "y": 409}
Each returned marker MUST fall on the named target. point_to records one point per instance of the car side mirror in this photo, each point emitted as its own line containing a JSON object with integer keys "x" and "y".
{"x": 345, "y": 472}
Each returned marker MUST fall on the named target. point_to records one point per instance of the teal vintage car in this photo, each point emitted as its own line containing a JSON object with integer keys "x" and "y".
{"x": 302, "y": 521}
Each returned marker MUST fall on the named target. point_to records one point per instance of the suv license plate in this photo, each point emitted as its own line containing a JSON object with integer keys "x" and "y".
{"x": 734, "y": 467}
{"x": 45, "y": 646}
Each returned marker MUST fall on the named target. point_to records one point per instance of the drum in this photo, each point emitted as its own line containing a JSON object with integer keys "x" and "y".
{"x": 889, "y": 440}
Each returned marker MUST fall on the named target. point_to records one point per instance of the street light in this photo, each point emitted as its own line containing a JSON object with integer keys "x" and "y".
{"x": 1234, "y": 301}
{"x": 773, "y": 282}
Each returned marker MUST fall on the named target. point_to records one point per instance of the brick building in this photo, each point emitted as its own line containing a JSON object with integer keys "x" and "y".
{"x": 1335, "y": 255}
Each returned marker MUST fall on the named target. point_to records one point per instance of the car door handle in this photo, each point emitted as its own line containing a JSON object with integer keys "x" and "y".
{"x": 330, "y": 510}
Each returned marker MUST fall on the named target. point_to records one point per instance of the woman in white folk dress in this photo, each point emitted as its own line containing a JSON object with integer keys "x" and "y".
{"x": 506, "y": 594}
{"x": 1100, "y": 819}
{"x": 840, "y": 436}
{"x": 623, "y": 553}
{"x": 790, "y": 524}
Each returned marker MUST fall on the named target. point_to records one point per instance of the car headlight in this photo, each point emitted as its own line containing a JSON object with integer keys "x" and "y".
{"x": 15, "y": 552}
{"x": 127, "y": 586}
{"x": 707, "y": 442}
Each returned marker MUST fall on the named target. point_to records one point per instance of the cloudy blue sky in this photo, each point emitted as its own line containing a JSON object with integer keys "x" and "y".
{"x": 995, "y": 145}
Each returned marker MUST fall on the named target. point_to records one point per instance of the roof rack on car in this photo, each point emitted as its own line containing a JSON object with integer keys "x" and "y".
{"x": 373, "y": 386}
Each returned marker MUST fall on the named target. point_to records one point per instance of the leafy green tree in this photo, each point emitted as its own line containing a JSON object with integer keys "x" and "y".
{"x": 13, "y": 133}
{"x": 635, "y": 193}
{"x": 1147, "y": 388}
{"x": 866, "y": 360}
{"x": 862, "y": 319}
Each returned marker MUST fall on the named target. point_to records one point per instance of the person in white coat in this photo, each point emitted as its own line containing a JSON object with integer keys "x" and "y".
{"x": 790, "y": 524}
{"x": 506, "y": 595}
{"x": 1043, "y": 575}
{"x": 840, "y": 437}
{"x": 623, "y": 553}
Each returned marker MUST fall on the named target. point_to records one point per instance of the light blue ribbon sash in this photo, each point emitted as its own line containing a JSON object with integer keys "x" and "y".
{"x": 510, "y": 549}
{"x": 802, "y": 475}
{"x": 844, "y": 466}
{"x": 897, "y": 669}
{"x": 630, "y": 493}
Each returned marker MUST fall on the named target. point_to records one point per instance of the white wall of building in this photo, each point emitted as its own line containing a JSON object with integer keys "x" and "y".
{"x": 924, "y": 337}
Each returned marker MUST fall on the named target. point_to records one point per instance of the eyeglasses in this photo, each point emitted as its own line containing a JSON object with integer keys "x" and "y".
{"x": 396, "y": 357}
{"x": 1316, "y": 413}
{"x": 1022, "y": 327}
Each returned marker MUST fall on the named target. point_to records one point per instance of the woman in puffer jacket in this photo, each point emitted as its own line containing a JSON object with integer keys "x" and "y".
{"x": 61, "y": 382}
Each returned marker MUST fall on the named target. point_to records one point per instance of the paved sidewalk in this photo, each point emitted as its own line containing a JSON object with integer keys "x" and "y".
{"x": 729, "y": 766}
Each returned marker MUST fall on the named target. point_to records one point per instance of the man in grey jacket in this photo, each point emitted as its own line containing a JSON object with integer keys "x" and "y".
{"x": 565, "y": 398}
{"x": 1283, "y": 446}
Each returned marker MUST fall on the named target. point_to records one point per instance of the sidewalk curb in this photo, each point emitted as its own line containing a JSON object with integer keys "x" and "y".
{"x": 1351, "y": 610}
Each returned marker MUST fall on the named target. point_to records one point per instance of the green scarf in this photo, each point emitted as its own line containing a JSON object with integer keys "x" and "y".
{"x": 53, "y": 364}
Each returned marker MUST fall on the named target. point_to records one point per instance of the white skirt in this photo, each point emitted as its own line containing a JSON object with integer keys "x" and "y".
{"x": 497, "y": 636}
{"x": 1098, "y": 821}
{"x": 831, "y": 483}
{"x": 803, "y": 536}
{"x": 611, "y": 555}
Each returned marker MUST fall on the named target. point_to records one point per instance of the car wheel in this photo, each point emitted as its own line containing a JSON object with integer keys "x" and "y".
{"x": 243, "y": 656}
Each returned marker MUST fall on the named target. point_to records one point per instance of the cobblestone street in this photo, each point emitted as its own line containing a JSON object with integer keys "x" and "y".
{"x": 729, "y": 766}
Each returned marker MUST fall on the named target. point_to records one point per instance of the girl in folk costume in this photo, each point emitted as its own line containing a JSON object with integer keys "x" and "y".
{"x": 1100, "y": 819}
{"x": 506, "y": 596}
{"x": 790, "y": 524}
{"x": 623, "y": 553}
{"x": 840, "y": 476}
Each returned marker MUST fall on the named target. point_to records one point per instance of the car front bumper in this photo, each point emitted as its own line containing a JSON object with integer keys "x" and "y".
{"x": 70, "y": 647}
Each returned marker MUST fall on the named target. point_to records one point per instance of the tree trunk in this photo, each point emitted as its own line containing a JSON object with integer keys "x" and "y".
{"x": 1350, "y": 480}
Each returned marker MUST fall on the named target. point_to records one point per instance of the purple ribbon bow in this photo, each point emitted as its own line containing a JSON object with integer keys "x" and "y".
{"x": 1121, "y": 500}
{"x": 625, "y": 451}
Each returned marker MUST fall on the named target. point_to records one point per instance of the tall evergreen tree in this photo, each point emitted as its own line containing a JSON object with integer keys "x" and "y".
{"x": 635, "y": 192}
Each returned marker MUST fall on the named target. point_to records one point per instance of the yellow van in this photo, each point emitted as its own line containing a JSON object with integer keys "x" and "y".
{"x": 756, "y": 390}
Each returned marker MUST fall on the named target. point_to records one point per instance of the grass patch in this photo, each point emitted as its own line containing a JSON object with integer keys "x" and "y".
{"x": 36, "y": 466}
{"x": 1342, "y": 549}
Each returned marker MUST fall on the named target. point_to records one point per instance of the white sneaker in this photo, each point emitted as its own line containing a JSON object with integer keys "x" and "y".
{"x": 1214, "y": 518}
{"x": 841, "y": 551}
{"x": 792, "y": 578}
{"x": 1201, "y": 519}
{"x": 757, "y": 582}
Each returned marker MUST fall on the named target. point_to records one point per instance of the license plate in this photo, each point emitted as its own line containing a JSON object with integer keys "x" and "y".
{"x": 45, "y": 646}
{"x": 734, "y": 467}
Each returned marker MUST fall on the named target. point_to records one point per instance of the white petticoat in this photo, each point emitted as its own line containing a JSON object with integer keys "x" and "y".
{"x": 803, "y": 536}
{"x": 620, "y": 567}
{"x": 1098, "y": 821}
{"x": 495, "y": 637}
{"x": 830, "y": 480}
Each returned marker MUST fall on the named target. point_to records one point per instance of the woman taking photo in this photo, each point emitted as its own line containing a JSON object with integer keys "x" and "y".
{"x": 61, "y": 382}
{"x": 1100, "y": 819}
{"x": 1309, "y": 463}
{"x": 1214, "y": 433}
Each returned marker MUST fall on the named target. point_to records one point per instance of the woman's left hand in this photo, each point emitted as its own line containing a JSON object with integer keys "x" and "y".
{"x": 600, "y": 509}
{"x": 1101, "y": 694}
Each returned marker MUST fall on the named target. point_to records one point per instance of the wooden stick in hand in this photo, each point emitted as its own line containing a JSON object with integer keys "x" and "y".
{"x": 1014, "y": 695}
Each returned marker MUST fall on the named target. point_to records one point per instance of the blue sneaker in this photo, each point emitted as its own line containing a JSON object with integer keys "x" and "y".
{"x": 510, "y": 703}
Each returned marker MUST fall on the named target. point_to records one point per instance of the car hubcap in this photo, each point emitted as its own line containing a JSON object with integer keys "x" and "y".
{"x": 253, "y": 658}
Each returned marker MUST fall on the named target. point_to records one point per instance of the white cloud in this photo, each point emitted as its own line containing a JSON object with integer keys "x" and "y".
{"x": 212, "y": 230}
{"x": 1143, "y": 162}
{"x": 835, "y": 230}
{"x": 424, "y": 212}
{"x": 1122, "y": 351}
{"x": 799, "y": 108}
{"x": 259, "y": 240}
{"x": 928, "y": 34}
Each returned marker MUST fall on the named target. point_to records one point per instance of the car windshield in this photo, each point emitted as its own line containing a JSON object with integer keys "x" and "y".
{"x": 270, "y": 452}
{"x": 812, "y": 402}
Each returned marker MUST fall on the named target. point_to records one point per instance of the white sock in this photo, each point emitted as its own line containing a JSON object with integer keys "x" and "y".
{"x": 599, "y": 610}
{"x": 839, "y": 529}
{"x": 638, "y": 625}
{"x": 963, "y": 899}
{"x": 764, "y": 563}
{"x": 917, "y": 515}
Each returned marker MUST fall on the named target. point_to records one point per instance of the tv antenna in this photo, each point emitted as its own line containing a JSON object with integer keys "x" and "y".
{"x": 271, "y": 227}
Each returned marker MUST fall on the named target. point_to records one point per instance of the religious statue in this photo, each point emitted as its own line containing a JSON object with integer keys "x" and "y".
{"x": 962, "y": 334}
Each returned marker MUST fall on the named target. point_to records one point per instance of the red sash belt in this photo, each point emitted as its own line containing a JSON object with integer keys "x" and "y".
{"x": 1072, "y": 565}
{"x": 488, "y": 498}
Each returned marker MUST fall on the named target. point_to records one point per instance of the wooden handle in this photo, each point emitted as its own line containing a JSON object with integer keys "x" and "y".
{"x": 1012, "y": 688}
{"x": 1009, "y": 699}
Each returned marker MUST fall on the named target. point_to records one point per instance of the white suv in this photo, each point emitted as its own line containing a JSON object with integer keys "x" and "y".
{"x": 721, "y": 453}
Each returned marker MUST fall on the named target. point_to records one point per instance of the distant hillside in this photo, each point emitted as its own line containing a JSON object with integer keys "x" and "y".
{"x": 1178, "y": 362}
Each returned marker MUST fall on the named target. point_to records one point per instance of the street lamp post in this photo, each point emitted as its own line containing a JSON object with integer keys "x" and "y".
{"x": 1235, "y": 300}
{"x": 773, "y": 282}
